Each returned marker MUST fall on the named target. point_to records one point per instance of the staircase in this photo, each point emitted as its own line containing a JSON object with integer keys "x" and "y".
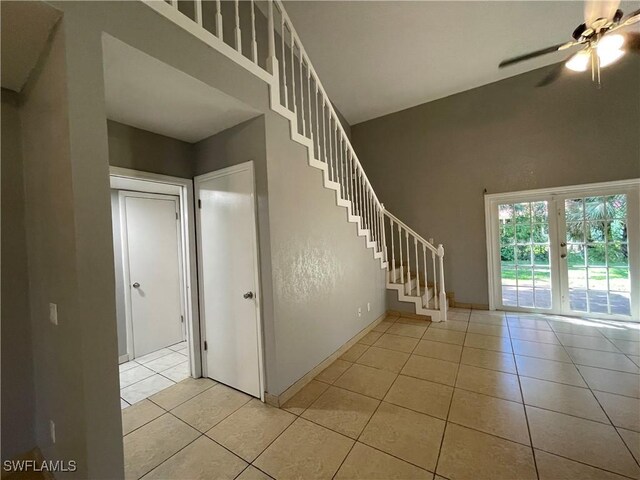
{"x": 415, "y": 266}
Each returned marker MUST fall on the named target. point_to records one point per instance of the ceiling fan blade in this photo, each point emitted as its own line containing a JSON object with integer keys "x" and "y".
{"x": 537, "y": 53}
{"x": 632, "y": 18}
{"x": 632, "y": 42}
{"x": 553, "y": 75}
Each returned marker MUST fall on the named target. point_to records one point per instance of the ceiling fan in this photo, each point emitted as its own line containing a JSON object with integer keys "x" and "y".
{"x": 601, "y": 40}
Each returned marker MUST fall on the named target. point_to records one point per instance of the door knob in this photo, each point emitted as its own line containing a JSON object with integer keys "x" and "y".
{"x": 563, "y": 244}
{"x": 248, "y": 295}
{"x": 136, "y": 285}
{"x": 564, "y": 255}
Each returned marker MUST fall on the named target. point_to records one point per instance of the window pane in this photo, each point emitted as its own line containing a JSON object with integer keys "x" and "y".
{"x": 578, "y": 300}
{"x": 523, "y": 233}
{"x": 507, "y": 234}
{"x": 523, "y": 212}
{"x": 542, "y": 297}
{"x": 541, "y": 255}
{"x": 596, "y": 231}
{"x": 540, "y": 233}
{"x": 619, "y": 279}
{"x": 575, "y": 255}
{"x": 620, "y": 303}
{"x": 618, "y": 231}
{"x": 598, "y": 301}
{"x": 525, "y": 297}
{"x": 575, "y": 232}
{"x": 523, "y": 254}
{"x": 578, "y": 278}
{"x": 597, "y": 278}
{"x": 596, "y": 255}
{"x": 539, "y": 212}
{"x": 509, "y": 276}
{"x": 507, "y": 255}
{"x": 617, "y": 206}
{"x": 505, "y": 213}
{"x": 573, "y": 210}
{"x": 542, "y": 278}
{"x": 617, "y": 254}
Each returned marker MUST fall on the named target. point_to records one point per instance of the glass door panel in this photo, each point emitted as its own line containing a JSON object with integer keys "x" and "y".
{"x": 525, "y": 269}
{"x": 596, "y": 255}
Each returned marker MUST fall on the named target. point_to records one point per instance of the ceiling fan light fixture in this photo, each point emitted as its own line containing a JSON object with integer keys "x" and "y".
{"x": 579, "y": 62}
{"x": 609, "y": 49}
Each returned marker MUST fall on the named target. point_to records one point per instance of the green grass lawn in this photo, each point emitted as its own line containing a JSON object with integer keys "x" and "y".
{"x": 614, "y": 273}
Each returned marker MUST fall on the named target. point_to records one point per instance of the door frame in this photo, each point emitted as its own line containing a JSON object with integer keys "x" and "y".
{"x": 147, "y": 182}
{"x": 126, "y": 265}
{"x": 246, "y": 166}
{"x": 491, "y": 202}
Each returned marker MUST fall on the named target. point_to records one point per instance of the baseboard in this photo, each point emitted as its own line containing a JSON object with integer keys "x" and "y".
{"x": 278, "y": 400}
{"x": 123, "y": 358}
{"x": 416, "y": 316}
{"x": 472, "y": 306}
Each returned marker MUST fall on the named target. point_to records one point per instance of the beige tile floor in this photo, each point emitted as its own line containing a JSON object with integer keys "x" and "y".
{"x": 482, "y": 396}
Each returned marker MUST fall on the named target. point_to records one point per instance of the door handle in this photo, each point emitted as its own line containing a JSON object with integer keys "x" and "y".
{"x": 248, "y": 295}
{"x": 136, "y": 285}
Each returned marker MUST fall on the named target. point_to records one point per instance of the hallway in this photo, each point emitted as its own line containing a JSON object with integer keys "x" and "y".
{"x": 483, "y": 395}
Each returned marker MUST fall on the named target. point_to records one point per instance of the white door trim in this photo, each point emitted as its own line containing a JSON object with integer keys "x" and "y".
{"x": 551, "y": 194}
{"x": 246, "y": 166}
{"x": 127, "y": 179}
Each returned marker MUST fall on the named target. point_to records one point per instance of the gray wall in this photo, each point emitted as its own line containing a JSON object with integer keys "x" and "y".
{"x": 18, "y": 434}
{"x": 430, "y": 164}
{"x": 131, "y": 147}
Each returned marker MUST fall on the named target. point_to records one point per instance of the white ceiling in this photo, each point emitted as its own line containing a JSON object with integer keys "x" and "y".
{"x": 146, "y": 93}
{"x": 25, "y": 31}
{"x": 375, "y": 58}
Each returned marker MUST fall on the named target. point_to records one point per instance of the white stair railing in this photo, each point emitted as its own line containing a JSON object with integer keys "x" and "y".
{"x": 278, "y": 57}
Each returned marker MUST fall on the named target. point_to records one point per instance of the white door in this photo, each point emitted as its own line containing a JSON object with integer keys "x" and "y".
{"x": 572, "y": 253}
{"x": 151, "y": 241}
{"x": 228, "y": 268}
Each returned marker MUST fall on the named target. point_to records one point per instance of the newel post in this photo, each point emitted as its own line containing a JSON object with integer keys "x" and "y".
{"x": 443, "y": 294}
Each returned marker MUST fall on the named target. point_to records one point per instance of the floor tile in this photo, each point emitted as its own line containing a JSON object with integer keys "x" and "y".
{"x": 124, "y": 404}
{"x": 153, "y": 355}
{"x": 251, "y": 428}
{"x": 252, "y": 473}
{"x": 333, "y": 371}
{"x": 178, "y": 373}
{"x": 632, "y": 440}
{"x": 531, "y": 335}
{"x": 420, "y": 395}
{"x": 210, "y": 407}
{"x": 635, "y": 359}
{"x": 487, "y": 319}
{"x": 414, "y": 331}
{"x": 135, "y": 374}
{"x": 432, "y": 369}
{"x": 368, "y": 381}
{"x": 552, "y": 467}
{"x": 623, "y": 333}
{"x": 139, "y": 414}
{"x": 623, "y": 411}
{"x": 583, "y": 341}
{"x": 178, "y": 346}
{"x": 414, "y": 321}
{"x": 405, "y": 434}
{"x": 364, "y": 462}
{"x": 626, "y": 346}
{"x": 471, "y": 455}
{"x": 384, "y": 359}
{"x": 166, "y": 361}
{"x": 123, "y": 367}
{"x": 562, "y": 398}
{"x": 488, "y": 342}
{"x": 342, "y": 411}
{"x": 370, "y": 338}
{"x": 145, "y": 388}
{"x": 354, "y": 352}
{"x": 489, "y": 382}
{"x": 478, "y": 357}
{"x": 489, "y": 414}
{"x": 540, "y": 350}
{"x": 608, "y": 360}
{"x": 305, "y": 450}
{"x": 445, "y": 336}
{"x": 611, "y": 381}
{"x": 439, "y": 350}
{"x": 201, "y": 459}
{"x": 582, "y": 440}
{"x": 396, "y": 342}
{"x": 549, "y": 370}
{"x": 181, "y": 392}
{"x": 383, "y": 326}
{"x": 150, "y": 445}
{"x": 570, "y": 326}
{"x": 531, "y": 323}
{"x": 305, "y": 397}
{"x": 488, "y": 329}
{"x": 451, "y": 324}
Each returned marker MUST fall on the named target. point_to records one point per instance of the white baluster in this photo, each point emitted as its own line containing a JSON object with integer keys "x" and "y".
{"x": 426, "y": 276}
{"x": 393, "y": 250}
{"x": 198, "y": 12}
{"x": 237, "y": 30}
{"x": 343, "y": 156}
{"x": 415, "y": 244}
{"x": 317, "y": 122}
{"x": 302, "y": 112}
{"x": 174, "y": 3}
{"x": 284, "y": 65}
{"x": 408, "y": 260}
{"x": 293, "y": 74}
{"x": 219, "y": 31}
{"x": 443, "y": 294}
{"x": 254, "y": 43}
{"x": 330, "y": 151}
{"x": 435, "y": 276}
{"x": 401, "y": 264}
{"x": 324, "y": 132}
{"x": 310, "y": 124}
{"x": 272, "y": 61}
{"x": 337, "y": 149}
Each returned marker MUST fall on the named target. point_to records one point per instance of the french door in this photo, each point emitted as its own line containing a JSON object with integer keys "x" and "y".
{"x": 571, "y": 251}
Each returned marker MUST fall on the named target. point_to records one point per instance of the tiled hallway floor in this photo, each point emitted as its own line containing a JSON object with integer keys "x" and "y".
{"x": 149, "y": 374}
{"x": 482, "y": 396}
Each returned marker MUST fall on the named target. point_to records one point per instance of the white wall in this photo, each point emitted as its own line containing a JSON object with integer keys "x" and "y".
{"x": 121, "y": 318}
